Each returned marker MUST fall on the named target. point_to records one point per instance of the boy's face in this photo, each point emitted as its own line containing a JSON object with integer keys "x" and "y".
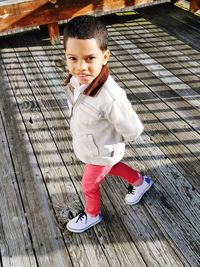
{"x": 85, "y": 59}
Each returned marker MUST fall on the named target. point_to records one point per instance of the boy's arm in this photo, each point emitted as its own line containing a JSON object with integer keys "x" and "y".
{"x": 125, "y": 119}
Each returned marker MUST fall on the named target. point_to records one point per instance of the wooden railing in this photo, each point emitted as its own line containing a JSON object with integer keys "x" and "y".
{"x": 26, "y": 13}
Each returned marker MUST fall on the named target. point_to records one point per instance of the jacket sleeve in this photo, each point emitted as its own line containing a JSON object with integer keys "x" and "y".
{"x": 124, "y": 119}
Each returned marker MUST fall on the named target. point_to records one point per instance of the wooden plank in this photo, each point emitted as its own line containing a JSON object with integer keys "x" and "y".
{"x": 166, "y": 76}
{"x": 47, "y": 240}
{"x": 174, "y": 125}
{"x": 150, "y": 36}
{"x": 180, "y": 29}
{"x": 186, "y": 18}
{"x": 158, "y": 93}
{"x": 182, "y": 156}
{"x": 152, "y": 154}
{"x": 162, "y": 207}
{"x": 178, "y": 68}
{"x": 16, "y": 245}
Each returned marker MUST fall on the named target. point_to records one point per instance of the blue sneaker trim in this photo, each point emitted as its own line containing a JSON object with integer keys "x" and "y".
{"x": 147, "y": 180}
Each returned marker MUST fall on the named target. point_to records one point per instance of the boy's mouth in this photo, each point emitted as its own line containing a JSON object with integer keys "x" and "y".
{"x": 83, "y": 77}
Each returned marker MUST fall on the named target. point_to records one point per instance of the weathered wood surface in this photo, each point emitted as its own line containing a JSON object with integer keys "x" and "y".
{"x": 41, "y": 178}
{"x": 47, "y": 241}
{"x": 15, "y": 238}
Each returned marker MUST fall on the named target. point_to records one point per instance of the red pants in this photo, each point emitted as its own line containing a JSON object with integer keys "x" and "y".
{"x": 93, "y": 176}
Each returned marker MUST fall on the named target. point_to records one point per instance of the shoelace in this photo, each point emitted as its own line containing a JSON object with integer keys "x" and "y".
{"x": 131, "y": 189}
{"x": 81, "y": 215}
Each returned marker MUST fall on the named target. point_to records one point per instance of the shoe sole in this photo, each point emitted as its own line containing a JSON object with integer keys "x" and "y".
{"x": 83, "y": 230}
{"x": 138, "y": 200}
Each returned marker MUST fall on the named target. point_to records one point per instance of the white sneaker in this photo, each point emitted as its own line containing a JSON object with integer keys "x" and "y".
{"x": 135, "y": 193}
{"x": 82, "y": 222}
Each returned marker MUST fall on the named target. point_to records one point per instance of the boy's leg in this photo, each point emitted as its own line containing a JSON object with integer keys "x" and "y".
{"x": 92, "y": 177}
{"x": 126, "y": 173}
{"x": 138, "y": 184}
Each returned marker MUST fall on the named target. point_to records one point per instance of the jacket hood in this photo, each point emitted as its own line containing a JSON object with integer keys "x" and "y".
{"x": 96, "y": 84}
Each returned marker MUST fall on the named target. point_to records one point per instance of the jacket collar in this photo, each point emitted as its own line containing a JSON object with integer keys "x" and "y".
{"x": 96, "y": 84}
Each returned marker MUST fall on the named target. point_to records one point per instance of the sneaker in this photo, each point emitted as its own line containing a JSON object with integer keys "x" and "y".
{"x": 135, "y": 193}
{"x": 82, "y": 222}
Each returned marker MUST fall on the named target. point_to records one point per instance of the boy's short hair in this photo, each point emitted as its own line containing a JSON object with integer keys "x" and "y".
{"x": 86, "y": 27}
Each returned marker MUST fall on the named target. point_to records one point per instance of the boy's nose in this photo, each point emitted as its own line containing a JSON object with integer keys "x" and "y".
{"x": 82, "y": 65}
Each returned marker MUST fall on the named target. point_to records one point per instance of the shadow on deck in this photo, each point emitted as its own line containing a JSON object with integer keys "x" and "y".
{"x": 156, "y": 59}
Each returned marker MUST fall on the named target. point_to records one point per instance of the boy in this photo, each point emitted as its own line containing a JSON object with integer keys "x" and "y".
{"x": 102, "y": 118}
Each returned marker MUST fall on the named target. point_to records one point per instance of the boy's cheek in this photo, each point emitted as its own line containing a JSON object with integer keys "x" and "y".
{"x": 69, "y": 67}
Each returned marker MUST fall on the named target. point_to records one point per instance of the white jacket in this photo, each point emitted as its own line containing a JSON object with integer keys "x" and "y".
{"x": 101, "y": 124}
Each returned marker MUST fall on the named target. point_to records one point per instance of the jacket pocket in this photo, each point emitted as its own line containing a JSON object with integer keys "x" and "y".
{"x": 92, "y": 146}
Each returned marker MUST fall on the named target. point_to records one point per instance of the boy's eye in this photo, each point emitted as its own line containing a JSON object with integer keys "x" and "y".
{"x": 71, "y": 58}
{"x": 90, "y": 58}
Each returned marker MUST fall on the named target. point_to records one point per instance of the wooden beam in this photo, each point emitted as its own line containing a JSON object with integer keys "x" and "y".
{"x": 54, "y": 33}
{"x": 194, "y": 5}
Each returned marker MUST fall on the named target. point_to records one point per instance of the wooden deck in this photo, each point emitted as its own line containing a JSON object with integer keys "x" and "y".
{"x": 156, "y": 59}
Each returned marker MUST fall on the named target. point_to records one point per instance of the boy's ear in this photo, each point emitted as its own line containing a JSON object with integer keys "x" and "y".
{"x": 106, "y": 56}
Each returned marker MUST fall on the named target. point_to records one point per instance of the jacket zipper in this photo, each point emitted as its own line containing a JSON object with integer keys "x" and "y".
{"x": 74, "y": 105}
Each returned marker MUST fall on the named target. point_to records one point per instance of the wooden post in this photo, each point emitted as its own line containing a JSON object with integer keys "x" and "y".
{"x": 194, "y": 5}
{"x": 54, "y": 33}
